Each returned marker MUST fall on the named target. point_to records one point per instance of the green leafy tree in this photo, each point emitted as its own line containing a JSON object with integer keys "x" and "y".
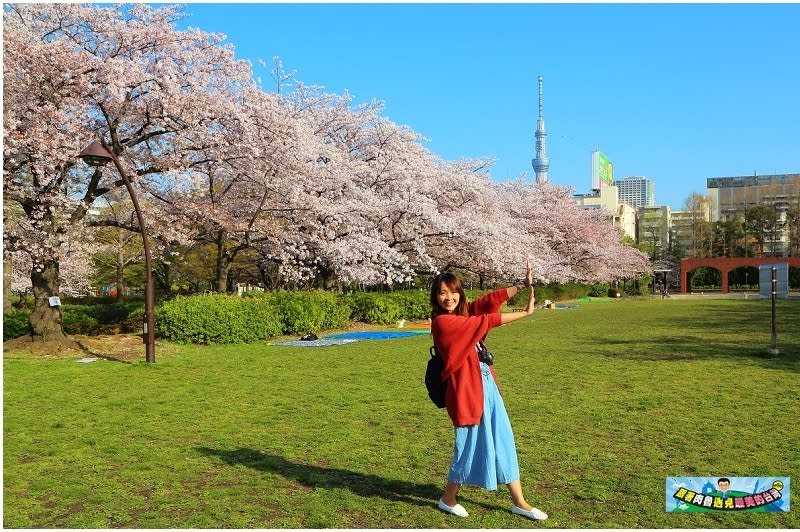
{"x": 701, "y": 229}
{"x": 793, "y": 229}
{"x": 761, "y": 222}
{"x": 120, "y": 251}
{"x": 728, "y": 235}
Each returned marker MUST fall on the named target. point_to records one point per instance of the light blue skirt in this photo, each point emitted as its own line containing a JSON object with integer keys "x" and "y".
{"x": 485, "y": 454}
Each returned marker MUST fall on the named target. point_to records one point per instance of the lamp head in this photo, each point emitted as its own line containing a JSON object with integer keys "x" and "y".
{"x": 95, "y": 154}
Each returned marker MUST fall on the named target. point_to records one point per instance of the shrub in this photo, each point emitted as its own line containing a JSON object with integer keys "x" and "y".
{"x": 15, "y": 325}
{"x": 307, "y": 312}
{"x": 217, "y": 318}
{"x": 599, "y": 290}
{"x": 103, "y": 318}
{"x": 414, "y": 304}
{"x": 374, "y": 307}
{"x": 134, "y": 322}
{"x": 78, "y": 319}
{"x": 554, "y": 292}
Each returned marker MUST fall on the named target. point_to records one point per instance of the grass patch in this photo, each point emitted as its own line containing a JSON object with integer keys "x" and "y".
{"x": 606, "y": 401}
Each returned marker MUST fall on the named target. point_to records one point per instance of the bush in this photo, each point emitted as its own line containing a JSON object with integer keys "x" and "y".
{"x": 217, "y": 318}
{"x": 103, "y": 318}
{"x": 307, "y": 312}
{"x": 557, "y": 292}
{"x": 599, "y": 290}
{"x": 100, "y": 300}
{"x": 78, "y": 319}
{"x": 15, "y": 325}
{"x": 414, "y": 304}
{"x": 374, "y": 307}
{"x": 134, "y": 322}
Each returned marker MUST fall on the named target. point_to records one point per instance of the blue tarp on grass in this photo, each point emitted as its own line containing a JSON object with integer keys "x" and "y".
{"x": 375, "y": 335}
{"x": 349, "y": 337}
{"x": 312, "y": 343}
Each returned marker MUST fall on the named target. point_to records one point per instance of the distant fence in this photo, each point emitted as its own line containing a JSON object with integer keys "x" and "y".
{"x": 727, "y": 264}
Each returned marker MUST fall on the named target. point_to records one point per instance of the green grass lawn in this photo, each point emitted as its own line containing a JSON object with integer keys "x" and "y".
{"x": 606, "y": 400}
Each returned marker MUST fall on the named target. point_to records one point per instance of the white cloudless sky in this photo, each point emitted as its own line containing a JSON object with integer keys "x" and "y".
{"x": 676, "y": 93}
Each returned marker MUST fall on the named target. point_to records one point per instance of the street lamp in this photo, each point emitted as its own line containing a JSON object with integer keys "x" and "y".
{"x": 98, "y": 154}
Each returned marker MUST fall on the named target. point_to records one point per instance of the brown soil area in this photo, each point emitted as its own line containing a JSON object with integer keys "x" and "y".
{"x": 124, "y": 347}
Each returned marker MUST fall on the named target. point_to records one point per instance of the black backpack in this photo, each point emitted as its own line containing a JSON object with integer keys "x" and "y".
{"x": 433, "y": 378}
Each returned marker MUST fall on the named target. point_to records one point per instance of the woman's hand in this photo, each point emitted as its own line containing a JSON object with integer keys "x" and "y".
{"x": 531, "y": 303}
{"x": 508, "y": 317}
{"x": 523, "y": 284}
{"x": 529, "y": 282}
{"x": 529, "y": 274}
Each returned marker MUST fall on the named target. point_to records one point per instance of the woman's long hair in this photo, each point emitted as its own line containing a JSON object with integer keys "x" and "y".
{"x": 453, "y": 283}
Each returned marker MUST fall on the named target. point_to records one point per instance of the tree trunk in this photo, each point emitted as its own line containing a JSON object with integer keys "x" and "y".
{"x": 162, "y": 276}
{"x": 328, "y": 278}
{"x": 46, "y": 320}
{"x": 120, "y": 269}
{"x": 7, "y": 307}
{"x": 224, "y": 262}
{"x": 120, "y": 282}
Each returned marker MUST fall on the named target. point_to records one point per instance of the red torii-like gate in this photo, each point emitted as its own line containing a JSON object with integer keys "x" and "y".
{"x": 726, "y": 264}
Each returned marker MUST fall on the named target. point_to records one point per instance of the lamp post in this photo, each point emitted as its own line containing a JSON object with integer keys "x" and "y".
{"x": 773, "y": 346}
{"x": 98, "y": 154}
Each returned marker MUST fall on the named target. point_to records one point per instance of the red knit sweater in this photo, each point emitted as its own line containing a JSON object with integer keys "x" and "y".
{"x": 455, "y": 338}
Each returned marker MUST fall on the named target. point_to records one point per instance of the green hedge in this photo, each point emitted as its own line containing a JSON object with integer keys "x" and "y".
{"x": 103, "y": 318}
{"x": 389, "y": 307}
{"x": 414, "y": 304}
{"x": 87, "y": 319}
{"x": 217, "y": 318}
{"x": 372, "y": 307}
{"x": 220, "y": 318}
{"x": 553, "y": 292}
{"x": 306, "y": 312}
{"x": 15, "y": 325}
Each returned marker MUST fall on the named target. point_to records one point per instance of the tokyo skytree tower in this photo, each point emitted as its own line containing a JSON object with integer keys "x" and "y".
{"x": 541, "y": 163}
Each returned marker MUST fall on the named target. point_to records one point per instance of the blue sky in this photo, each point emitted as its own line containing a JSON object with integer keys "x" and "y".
{"x": 673, "y": 92}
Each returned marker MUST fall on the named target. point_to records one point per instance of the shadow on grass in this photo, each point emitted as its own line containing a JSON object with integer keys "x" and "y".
{"x": 312, "y": 476}
{"x": 99, "y": 354}
{"x": 682, "y": 348}
{"x": 732, "y": 328}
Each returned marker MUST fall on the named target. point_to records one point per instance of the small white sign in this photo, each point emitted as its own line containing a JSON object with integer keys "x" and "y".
{"x": 54, "y": 301}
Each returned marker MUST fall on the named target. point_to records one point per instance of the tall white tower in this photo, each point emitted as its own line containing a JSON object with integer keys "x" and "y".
{"x": 541, "y": 163}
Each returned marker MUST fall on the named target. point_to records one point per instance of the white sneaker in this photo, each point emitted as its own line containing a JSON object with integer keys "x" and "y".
{"x": 455, "y": 510}
{"x": 533, "y": 513}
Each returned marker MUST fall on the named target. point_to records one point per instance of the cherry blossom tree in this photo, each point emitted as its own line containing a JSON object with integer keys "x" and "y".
{"x": 238, "y": 181}
{"x": 80, "y": 72}
{"x": 583, "y": 243}
{"x": 327, "y": 191}
{"x": 356, "y": 165}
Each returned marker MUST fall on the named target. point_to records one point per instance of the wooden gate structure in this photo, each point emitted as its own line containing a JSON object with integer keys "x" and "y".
{"x": 726, "y": 264}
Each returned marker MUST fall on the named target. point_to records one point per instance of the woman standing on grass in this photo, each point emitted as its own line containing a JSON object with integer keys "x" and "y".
{"x": 485, "y": 453}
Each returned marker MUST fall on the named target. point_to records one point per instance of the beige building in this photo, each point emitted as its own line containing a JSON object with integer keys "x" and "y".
{"x": 732, "y": 196}
{"x": 653, "y": 228}
{"x": 688, "y": 232}
{"x": 622, "y": 215}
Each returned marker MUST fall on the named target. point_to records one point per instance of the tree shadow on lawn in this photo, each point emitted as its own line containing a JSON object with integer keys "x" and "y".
{"x": 687, "y": 348}
{"x": 683, "y": 337}
{"x": 312, "y": 476}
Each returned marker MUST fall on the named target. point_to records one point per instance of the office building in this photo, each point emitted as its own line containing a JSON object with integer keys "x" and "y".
{"x": 620, "y": 214}
{"x": 731, "y": 197}
{"x": 654, "y": 226}
{"x": 637, "y": 191}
